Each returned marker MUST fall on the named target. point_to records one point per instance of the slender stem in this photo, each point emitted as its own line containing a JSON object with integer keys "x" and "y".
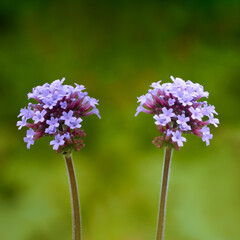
{"x": 163, "y": 195}
{"x": 76, "y": 217}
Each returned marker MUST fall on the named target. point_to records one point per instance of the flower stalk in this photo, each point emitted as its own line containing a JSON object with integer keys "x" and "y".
{"x": 76, "y": 216}
{"x": 163, "y": 194}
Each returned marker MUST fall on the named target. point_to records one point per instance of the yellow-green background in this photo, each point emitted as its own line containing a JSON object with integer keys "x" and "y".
{"x": 116, "y": 49}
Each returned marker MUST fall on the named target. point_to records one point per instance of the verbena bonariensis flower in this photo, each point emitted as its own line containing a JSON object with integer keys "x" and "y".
{"x": 177, "y": 110}
{"x": 57, "y": 113}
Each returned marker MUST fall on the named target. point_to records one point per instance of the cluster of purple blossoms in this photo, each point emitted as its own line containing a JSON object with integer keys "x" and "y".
{"x": 177, "y": 110}
{"x": 58, "y": 112}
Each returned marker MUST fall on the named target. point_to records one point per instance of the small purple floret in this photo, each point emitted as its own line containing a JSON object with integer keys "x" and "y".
{"x": 22, "y": 123}
{"x": 196, "y": 113}
{"x": 182, "y": 120}
{"x": 67, "y": 117}
{"x": 171, "y": 101}
{"x": 39, "y": 116}
{"x": 167, "y": 115}
{"x": 29, "y": 138}
{"x": 177, "y": 137}
{"x": 58, "y": 141}
{"x": 53, "y": 123}
{"x": 63, "y": 105}
{"x": 206, "y": 138}
{"x": 75, "y": 123}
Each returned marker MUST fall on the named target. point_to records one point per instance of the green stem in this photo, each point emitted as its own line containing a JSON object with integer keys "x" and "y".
{"x": 76, "y": 217}
{"x": 163, "y": 195}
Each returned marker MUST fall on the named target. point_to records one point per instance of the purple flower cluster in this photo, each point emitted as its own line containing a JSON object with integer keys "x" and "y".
{"x": 58, "y": 112}
{"x": 177, "y": 110}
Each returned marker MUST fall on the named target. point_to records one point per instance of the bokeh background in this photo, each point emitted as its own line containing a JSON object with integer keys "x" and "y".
{"x": 117, "y": 49}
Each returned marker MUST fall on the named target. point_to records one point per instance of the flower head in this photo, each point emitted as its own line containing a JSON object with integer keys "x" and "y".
{"x": 177, "y": 110}
{"x": 58, "y": 112}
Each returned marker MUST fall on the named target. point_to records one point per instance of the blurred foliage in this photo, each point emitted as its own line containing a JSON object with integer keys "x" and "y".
{"x": 116, "y": 49}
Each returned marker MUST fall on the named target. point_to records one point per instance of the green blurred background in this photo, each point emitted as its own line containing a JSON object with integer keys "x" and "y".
{"x": 116, "y": 49}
